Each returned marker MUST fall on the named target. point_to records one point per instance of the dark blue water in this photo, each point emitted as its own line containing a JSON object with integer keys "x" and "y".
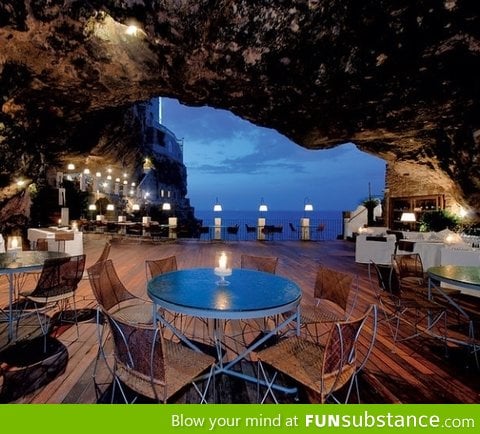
{"x": 331, "y": 220}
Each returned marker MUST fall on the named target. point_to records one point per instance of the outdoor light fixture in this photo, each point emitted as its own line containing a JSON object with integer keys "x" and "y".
{"x": 307, "y": 205}
{"x": 263, "y": 207}
{"x": 131, "y": 30}
{"x": 166, "y": 206}
{"x": 136, "y": 207}
{"x": 408, "y": 217}
{"x": 217, "y": 207}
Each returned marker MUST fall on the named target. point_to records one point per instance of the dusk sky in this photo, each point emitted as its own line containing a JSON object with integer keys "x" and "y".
{"x": 240, "y": 163}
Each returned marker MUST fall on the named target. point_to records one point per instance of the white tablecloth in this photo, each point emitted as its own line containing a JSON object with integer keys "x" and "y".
{"x": 452, "y": 256}
{"x": 72, "y": 247}
{"x": 429, "y": 252}
{"x": 374, "y": 248}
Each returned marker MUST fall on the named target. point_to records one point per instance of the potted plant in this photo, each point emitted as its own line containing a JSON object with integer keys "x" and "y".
{"x": 438, "y": 220}
{"x": 370, "y": 204}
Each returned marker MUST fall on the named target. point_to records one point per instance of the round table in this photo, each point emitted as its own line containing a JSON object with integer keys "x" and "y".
{"x": 249, "y": 294}
{"x": 462, "y": 276}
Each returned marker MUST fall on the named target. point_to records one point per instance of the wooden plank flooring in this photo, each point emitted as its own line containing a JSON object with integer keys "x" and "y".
{"x": 415, "y": 371}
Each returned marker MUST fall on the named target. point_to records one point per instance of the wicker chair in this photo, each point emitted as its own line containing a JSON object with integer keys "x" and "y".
{"x": 250, "y": 229}
{"x": 267, "y": 264}
{"x": 103, "y": 256}
{"x": 402, "y": 304}
{"x": 332, "y": 292}
{"x": 233, "y": 231}
{"x": 113, "y": 297}
{"x": 56, "y": 285}
{"x": 324, "y": 369}
{"x": 259, "y": 263}
{"x": 155, "y": 267}
{"x": 105, "y": 252}
{"x": 153, "y": 366}
{"x": 411, "y": 274}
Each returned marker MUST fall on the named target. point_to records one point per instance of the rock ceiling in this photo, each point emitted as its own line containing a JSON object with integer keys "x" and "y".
{"x": 400, "y": 79}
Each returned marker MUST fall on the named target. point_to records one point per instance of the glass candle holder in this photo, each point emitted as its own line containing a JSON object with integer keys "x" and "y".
{"x": 223, "y": 267}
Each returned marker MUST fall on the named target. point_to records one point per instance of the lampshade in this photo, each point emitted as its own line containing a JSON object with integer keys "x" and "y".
{"x": 217, "y": 207}
{"x": 263, "y": 207}
{"x": 110, "y": 207}
{"x": 86, "y": 171}
{"x": 71, "y": 166}
{"x": 166, "y": 206}
{"x": 136, "y": 207}
{"x": 408, "y": 217}
{"x": 307, "y": 205}
{"x": 92, "y": 207}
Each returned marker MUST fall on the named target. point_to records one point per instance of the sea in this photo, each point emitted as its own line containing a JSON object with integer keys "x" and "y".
{"x": 331, "y": 221}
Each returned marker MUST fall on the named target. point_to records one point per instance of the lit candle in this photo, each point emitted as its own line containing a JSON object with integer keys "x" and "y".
{"x": 222, "y": 262}
{"x": 59, "y": 222}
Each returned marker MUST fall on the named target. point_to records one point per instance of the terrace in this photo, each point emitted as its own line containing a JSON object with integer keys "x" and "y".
{"x": 415, "y": 371}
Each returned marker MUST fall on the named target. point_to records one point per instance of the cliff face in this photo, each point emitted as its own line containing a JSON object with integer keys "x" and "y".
{"x": 399, "y": 79}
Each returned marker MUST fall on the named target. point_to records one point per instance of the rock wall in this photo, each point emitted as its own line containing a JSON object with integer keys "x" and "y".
{"x": 398, "y": 78}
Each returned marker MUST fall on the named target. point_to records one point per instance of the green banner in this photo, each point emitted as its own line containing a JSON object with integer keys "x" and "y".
{"x": 249, "y": 418}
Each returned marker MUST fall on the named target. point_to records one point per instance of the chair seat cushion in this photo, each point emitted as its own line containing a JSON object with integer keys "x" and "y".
{"x": 45, "y": 300}
{"x": 138, "y": 313}
{"x": 182, "y": 365}
{"x": 301, "y": 359}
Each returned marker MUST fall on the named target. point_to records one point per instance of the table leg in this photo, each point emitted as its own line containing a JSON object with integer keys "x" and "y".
{"x": 431, "y": 285}
{"x": 11, "y": 290}
{"x": 226, "y": 369}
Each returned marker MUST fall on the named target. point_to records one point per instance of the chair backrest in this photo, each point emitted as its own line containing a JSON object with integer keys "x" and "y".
{"x": 292, "y": 228}
{"x": 408, "y": 266}
{"x": 107, "y": 286}
{"x": 386, "y": 279}
{"x": 41, "y": 245}
{"x": 105, "y": 252}
{"x": 232, "y": 229}
{"x": 259, "y": 263}
{"x": 139, "y": 356}
{"x": 155, "y": 267}
{"x": 334, "y": 286}
{"x": 250, "y": 228}
{"x": 59, "y": 276}
{"x": 339, "y": 363}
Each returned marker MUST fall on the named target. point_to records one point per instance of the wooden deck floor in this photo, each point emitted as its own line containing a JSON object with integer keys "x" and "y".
{"x": 416, "y": 371}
